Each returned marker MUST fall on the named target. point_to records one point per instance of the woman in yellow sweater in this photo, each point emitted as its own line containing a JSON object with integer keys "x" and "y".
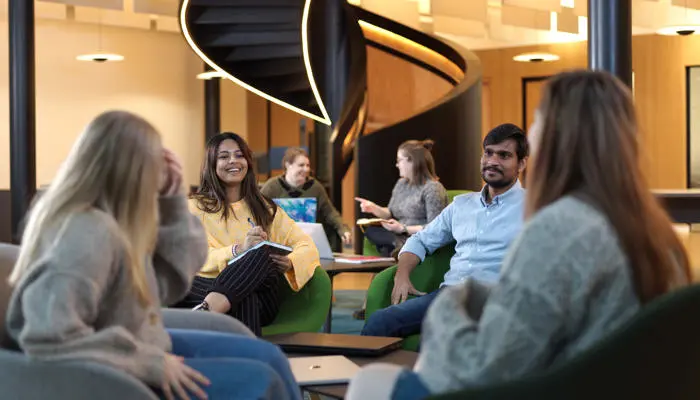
{"x": 236, "y": 217}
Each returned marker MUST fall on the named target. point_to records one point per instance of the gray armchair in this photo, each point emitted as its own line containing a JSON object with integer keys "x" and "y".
{"x": 25, "y": 379}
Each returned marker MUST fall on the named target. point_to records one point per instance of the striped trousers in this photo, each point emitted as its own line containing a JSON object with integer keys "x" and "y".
{"x": 252, "y": 288}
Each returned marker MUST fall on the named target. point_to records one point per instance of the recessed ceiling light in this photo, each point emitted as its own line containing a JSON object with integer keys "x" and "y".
{"x": 536, "y": 57}
{"x": 100, "y": 57}
{"x": 681, "y": 30}
{"x": 210, "y": 75}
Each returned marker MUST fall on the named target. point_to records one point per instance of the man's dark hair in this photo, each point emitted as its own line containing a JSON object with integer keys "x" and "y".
{"x": 504, "y": 132}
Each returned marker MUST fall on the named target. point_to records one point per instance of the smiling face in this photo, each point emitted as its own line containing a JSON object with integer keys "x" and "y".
{"x": 231, "y": 165}
{"x": 298, "y": 171}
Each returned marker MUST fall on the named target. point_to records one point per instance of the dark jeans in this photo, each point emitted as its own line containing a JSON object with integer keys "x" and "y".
{"x": 400, "y": 320}
{"x": 385, "y": 241}
{"x": 238, "y": 367}
{"x": 409, "y": 387}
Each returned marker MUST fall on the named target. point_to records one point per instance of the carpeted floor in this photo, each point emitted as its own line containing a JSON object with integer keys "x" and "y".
{"x": 346, "y": 302}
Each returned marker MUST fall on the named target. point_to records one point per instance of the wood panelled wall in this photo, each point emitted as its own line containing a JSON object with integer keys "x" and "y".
{"x": 659, "y": 64}
{"x": 396, "y": 90}
{"x": 284, "y": 127}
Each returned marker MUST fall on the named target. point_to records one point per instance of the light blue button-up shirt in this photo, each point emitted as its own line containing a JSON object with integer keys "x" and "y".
{"x": 482, "y": 231}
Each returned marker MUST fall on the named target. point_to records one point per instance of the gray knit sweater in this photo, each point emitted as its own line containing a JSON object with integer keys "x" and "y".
{"x": 565, "y": 284}
{"x": 417, "y": 204}
{"x": 77, "y": 303}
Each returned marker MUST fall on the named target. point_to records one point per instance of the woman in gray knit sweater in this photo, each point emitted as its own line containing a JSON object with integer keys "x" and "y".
{"x": 417, "y": 198}
{"x": 596, "y": 248}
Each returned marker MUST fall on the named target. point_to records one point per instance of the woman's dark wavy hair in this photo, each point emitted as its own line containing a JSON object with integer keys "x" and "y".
{"x": 211, "y": 194}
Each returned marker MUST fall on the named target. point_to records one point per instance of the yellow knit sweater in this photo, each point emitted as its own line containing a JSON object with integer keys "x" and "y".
{"x": 223, "y": 235}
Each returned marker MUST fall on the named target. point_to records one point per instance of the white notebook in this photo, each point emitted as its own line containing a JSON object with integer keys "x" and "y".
{"x": 323, "y": 370}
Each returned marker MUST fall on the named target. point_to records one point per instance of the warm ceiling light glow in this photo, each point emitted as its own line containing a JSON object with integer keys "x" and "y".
{"x": 324, "y": 118}
{"x": 536, "y": 57}
{"x": 681, "y": 30}
{"x": 567, "y": 3}
{"x": 453, "y": 70}
{"x": 100, "y": 57}
{"x": 210, "y": 75}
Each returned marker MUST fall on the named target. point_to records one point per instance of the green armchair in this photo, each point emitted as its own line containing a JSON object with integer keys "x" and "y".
{"x": 303, "y": 311}
{"x": 655, "y": 356}
{"x": 426, "y": 277}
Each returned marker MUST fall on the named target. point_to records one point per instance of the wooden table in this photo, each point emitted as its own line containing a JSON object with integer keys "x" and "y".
{"x": 403, "y": 358}
{"x": 334, "y": 268}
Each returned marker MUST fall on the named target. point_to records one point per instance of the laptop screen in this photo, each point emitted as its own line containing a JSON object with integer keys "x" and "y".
{"x": 300, "y": 209}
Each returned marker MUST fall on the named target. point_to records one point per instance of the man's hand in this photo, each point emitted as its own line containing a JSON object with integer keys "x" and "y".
{"x": 402, "y": 289}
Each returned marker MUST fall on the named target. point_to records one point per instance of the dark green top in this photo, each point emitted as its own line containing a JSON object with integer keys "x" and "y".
{"x": 276, "y": 188}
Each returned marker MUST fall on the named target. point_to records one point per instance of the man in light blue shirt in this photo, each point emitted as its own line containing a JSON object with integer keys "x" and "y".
{"x": 483, "y": 224}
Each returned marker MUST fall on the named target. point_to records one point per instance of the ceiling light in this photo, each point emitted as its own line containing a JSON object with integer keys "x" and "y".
{"x": 211, "y": 75}
{"x": 536, "y": 57}
{"x": 681, "y": 30}
{"x": 100, "y": 57}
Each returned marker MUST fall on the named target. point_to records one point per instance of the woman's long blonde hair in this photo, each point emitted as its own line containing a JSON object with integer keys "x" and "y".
{"x": 589, "y": 146}
{"x": 115, "y": 166}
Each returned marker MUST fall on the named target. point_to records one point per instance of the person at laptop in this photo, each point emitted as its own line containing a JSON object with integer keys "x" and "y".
{"x": 417, "y": 198}
{"x": 236, "y": 217}
{"x": 297, "y": 183}
{"x": 482, "y": 223}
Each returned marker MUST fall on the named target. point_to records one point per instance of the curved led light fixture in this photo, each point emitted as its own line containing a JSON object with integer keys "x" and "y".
{"x": 100, "y": 57}
{"x": 536, "y": 57}
{"x": 323, "y": 118}
{"x": 680, "y": 30}
{"x": 210, "y": 75}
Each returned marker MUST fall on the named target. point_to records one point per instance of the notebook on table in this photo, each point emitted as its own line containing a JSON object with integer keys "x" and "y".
{"x": 333, "y": 343}
{"x": 299, "y": 209}
{"x": 323, "y": 370}
{"x": 260, "y": 253}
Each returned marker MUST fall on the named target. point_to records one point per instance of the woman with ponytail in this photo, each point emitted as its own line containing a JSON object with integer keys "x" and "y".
{"x": 418, "y": 197}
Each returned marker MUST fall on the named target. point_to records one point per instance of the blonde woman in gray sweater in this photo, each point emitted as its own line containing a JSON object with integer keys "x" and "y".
{"x": 595, "y": 248}
{"x": 106, "y": 246}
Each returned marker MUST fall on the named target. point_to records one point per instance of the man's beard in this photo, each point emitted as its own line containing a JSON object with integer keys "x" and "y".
{"x": 496, "y": 183}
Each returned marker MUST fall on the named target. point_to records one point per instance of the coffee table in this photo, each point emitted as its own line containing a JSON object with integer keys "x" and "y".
{"x": 334, "y": 268}
{"x": 403, "y": 358}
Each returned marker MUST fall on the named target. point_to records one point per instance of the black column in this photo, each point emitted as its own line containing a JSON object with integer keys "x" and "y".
{"x": 22, "y": 111}
{"x": 330, "y": 53}
{"x": 212, "y": 106}
{"x": 610, "y": 37}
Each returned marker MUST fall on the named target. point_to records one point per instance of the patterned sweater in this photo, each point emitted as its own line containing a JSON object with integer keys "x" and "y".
{"x": 417, "y": 204}
{"x": 565, "y": 284}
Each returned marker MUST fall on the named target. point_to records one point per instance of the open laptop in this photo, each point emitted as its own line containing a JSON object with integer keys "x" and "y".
{"x": 318, "y": 235}
{"x": 324, "y": 370}
{"x": 327, "y": 343}
{"x": 300, "y": 209}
